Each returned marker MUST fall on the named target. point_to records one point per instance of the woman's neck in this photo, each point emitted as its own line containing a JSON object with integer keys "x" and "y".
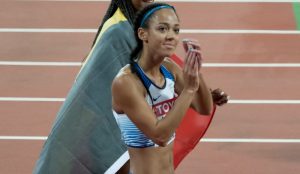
{"x": 150, "y": 63}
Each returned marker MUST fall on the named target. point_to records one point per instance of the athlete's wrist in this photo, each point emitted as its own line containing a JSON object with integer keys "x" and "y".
{"x": 189, "y": 91}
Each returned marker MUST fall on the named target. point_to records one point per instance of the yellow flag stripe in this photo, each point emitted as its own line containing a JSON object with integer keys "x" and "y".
{"x": 116, "y": 18}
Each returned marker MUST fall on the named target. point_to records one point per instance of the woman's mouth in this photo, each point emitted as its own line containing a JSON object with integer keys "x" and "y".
{"x": 169, "y": 46}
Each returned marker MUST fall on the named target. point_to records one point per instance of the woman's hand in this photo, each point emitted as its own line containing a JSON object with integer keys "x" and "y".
{"x": 191, "y": 44}
{"x": 192, "y": 65}
{"x": 219, "y": 97}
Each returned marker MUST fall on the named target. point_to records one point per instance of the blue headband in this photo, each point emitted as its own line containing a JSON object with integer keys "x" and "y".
{"x": 149, "y": 13}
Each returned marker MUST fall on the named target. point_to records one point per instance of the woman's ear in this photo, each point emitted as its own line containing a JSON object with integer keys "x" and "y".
{"x": 143, "y": 34}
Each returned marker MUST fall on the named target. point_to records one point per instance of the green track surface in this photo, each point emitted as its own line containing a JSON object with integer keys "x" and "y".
{"x": 296, "y": 6}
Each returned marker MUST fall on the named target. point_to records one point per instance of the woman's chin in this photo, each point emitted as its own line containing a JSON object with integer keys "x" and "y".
{"x": 170, "y": 53}
{"x": 166, "y": 52}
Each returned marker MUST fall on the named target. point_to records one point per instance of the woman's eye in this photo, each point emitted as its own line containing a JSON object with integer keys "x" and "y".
{"x": 162, "y": 29}
{"x": 177, "y": 30}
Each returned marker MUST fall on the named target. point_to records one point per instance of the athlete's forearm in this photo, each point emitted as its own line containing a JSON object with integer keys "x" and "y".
{"x": 167, "y": 126}
{"x": 202, "y": 101}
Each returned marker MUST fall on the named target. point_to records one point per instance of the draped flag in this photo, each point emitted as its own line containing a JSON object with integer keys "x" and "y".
{"x": 191, "y": 129}
{"x": 85, "y": 137}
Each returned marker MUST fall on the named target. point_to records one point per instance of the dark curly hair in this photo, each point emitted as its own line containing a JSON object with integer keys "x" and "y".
{"x": 125, "y": 6}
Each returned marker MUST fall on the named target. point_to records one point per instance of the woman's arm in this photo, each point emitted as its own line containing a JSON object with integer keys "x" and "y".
{"x": 202, "y": 101}
{"x": 219, "y": 97}
{"x": 128, "y": 97}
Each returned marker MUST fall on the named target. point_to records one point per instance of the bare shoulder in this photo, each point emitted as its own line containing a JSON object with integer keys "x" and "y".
{"x": 173, "y": 67}
{"x": 124, "y": 79}
{"x": 124, "y": 72}
{"x": 126, "y": 89}
{"x": 126, "y": 83}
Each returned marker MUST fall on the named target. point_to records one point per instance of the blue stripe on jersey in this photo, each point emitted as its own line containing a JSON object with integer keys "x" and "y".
{"x": 147, "y": 82}
{"x": 144, "y": 78}
{"x": 167, "y": 73}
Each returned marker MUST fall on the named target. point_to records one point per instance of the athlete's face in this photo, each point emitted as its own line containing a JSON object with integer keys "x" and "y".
{"x": 140, "y": 4}
{"x": 162, "y": 35}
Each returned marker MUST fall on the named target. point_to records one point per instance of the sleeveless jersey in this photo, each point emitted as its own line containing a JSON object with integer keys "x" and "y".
{"x": 160, "y": 99}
